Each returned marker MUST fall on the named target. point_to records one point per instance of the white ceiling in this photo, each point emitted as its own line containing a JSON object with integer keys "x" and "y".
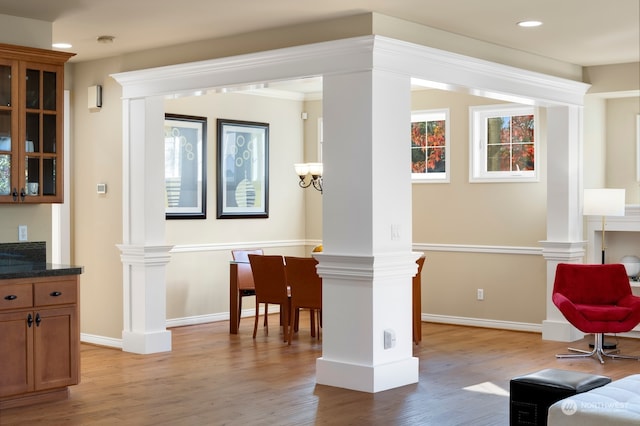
{"x": 582, "y": 32}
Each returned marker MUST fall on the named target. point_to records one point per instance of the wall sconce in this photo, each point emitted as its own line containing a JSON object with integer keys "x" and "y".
{"x": 94, "y": 98}
{"x": 309, "y": 174}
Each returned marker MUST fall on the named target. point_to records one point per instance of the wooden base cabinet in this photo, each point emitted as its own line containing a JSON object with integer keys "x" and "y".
{"x": 40, "y": 343}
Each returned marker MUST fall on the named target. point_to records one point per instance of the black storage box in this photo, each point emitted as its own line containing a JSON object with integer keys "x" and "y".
{"x": 531, "y": 395}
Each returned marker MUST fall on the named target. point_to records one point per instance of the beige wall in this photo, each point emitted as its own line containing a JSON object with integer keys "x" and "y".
{"x": 96, "y": 157}
{"x": 621, "y": 118}
{"x": 312, "y": 199}
{"x": 463, "y": 214}
{"x": 198, "y": 277}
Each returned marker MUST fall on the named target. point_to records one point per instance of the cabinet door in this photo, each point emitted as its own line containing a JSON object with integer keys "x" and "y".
{"x": 16, "y": 353}
{"x": 56, "y": 348}
{"x": 41, "y": 133}
{"x": 9, "y": 154}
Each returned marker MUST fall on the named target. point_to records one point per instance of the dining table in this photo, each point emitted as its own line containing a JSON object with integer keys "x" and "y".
{"x": 234, "y": 301}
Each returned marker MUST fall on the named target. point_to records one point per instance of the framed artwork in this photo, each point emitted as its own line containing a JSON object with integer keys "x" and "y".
{"x": 243, "y": 169}
{"x": 430, "y": 146}
{"x": 185, "y": 166}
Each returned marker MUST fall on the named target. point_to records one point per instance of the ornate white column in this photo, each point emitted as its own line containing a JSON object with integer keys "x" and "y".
{"x": 143, "y": 252}
{"x": 565, "y": 242}
{"x": 367, "y": 263}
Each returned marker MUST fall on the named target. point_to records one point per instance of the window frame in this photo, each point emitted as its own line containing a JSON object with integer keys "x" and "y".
{"x": 441, "y": 114}
{"x": 478, "y": 118}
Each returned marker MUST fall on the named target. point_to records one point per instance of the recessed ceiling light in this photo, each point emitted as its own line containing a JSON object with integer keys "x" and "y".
{"x": 105, "y": 39}
{"x": 529, "y": 24}
{"x": 61, "y": 45}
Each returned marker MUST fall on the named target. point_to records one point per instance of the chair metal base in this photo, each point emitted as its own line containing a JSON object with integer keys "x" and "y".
{"x": 598, "y": 351}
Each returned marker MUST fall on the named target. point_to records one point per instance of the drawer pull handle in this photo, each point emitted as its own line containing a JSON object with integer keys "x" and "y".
{"x": 55, "y": 294}
{"x": 11, "y": 297}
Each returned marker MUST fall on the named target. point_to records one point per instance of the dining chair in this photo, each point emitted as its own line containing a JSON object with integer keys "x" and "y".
{"x": 270, "y": 280}
{"x": 245, "y": 277}
{"x": 306, "y": 290}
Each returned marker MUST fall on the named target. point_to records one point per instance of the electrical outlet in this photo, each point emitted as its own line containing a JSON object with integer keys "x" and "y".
{"x": 22, "y": 233}
{"x": 389, "y": 339}
{"x": 480, "y": 294}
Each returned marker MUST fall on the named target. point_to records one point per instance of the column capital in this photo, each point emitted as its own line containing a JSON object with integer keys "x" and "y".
{"x": 563, "y": 251}
{"x": 145, "y": 254}
{"x": 365, "y": 268}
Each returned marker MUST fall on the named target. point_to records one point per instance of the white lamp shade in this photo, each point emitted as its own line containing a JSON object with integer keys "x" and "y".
{"x": 315, "y": 169}
{"x": 301, "y": 169}
{"x": 604, "y": 202}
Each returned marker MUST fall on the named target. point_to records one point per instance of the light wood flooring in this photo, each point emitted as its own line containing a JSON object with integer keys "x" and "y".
{"x": 213, "y": 378}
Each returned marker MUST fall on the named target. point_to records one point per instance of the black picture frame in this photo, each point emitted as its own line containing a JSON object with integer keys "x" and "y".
{"x": 243, "y": 169}
{"x": 185, "y": 170}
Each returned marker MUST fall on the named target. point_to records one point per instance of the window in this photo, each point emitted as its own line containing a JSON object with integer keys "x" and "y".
{"x": 503, "y": 144}
{"x": 430, "y": 146}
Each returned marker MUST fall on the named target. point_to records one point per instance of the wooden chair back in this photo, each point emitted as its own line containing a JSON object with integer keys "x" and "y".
{"x": 245, "y": 277}
{"x": 306, "y": 291}
{"x": 306, "y": 285}
{"x": 270, "y": 280}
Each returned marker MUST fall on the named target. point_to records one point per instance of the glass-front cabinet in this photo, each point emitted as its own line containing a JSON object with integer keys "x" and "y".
{"x": 31, "y": 124}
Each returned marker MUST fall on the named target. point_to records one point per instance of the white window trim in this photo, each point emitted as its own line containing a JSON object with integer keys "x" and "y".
{"x": 478, "y": 145}
{"x": 433, "y": 115}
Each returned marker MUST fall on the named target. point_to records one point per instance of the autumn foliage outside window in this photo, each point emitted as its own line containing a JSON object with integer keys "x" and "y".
{"x": 510, "y": 144}
{"x": 429, "y": 147}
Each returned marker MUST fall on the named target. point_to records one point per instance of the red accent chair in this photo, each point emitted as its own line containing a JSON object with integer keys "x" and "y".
{"x": 596, "y": 299}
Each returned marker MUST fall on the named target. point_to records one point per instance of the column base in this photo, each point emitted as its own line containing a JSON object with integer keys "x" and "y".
{"x": 560, "y": 331}
{"x": 366, "y": 378}
{"x": 146, "y": 343}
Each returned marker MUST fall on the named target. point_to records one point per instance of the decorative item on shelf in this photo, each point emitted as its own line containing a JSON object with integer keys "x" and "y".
{"x": 318, "y": 249}
{"x": 604, "y": 202}
{"x": 309, "y": 174}
{"x": 632, "y": 265}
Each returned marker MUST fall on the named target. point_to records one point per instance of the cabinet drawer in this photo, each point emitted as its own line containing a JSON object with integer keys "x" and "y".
{"x": 14, "y": 296}
{"x": 55, "y": 293}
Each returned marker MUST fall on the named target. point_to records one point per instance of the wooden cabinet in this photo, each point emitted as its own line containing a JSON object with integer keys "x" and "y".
{"x": 39, "y": 339}
{"x": 31, "y": 124}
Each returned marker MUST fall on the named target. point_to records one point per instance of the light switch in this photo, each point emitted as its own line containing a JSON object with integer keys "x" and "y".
{"x": 22, "y": 233}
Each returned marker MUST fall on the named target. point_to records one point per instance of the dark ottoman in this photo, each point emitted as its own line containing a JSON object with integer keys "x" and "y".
{"x": 531, "y": 395}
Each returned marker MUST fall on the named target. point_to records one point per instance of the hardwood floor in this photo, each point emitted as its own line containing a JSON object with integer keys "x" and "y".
{"x": 213, "y": 378}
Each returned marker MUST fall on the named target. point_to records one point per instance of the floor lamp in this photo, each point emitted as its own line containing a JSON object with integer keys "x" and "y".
{"x": 604, "y": 202}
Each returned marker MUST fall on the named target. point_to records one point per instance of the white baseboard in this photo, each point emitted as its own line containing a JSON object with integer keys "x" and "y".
{"x": 480, "y": 322}
{"x": 198, "y": 319}
{"x": 101, "y": 340}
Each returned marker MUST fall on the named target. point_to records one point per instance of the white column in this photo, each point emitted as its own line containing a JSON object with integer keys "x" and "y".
{"x": 565, "y": 242}
{"x": 143, "y": 252}
{"x": 367, "y": 263}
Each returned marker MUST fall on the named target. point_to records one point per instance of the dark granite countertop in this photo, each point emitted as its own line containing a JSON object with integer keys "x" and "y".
{"x": 33, "y": 270}
{"x": 28, "y": 260}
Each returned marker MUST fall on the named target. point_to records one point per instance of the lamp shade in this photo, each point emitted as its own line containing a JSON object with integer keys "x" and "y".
{"x": 301, "y": 169}
{"x": 315, "y": 169}
{"x": 604, "y": 202}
